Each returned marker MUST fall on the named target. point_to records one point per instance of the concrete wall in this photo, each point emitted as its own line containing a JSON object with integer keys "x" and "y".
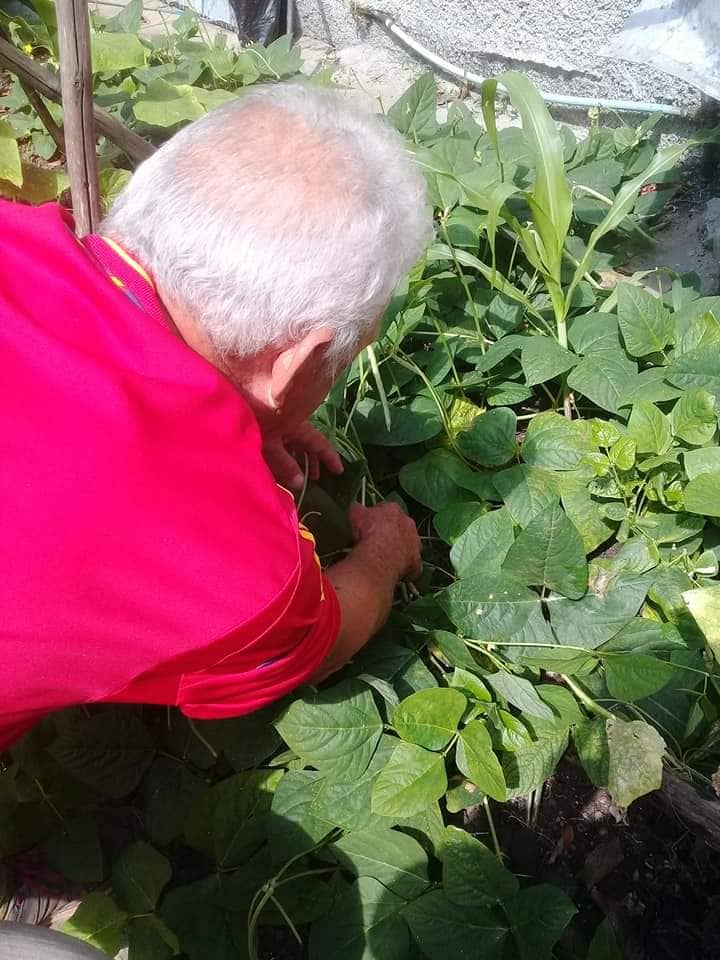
{"x": 559, "y": 43}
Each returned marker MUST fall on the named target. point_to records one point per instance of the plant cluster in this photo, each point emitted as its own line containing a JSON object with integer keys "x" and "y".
{"x": 553, "y": 427}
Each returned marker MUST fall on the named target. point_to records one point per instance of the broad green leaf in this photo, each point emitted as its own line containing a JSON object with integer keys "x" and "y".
{"x": 598, "y": 616}
{"x": 454, "y": 519}
{"x": 475, "y": 758}
{"x": 109, "y": 751}
{"x": 520, "y": 693}
{"x": 591, "y": 744}
{"x": 414, "y": 114}
{"x": 440, "y": 478}
{"x": 665, "y": 527}
{"x": 696, "y": 325}
{"x": 646, "y": 325}
{"x": 139, "y": 877}
{"x": 490, "y": 438}
{"x": 594, "y": 332}
{"x": 488, "y": 607}
{"x": 169, "y": 792}
{"x": 472, "y": 874}
{"x": 698, "y": 369}
{"x": 584, "y": 512}
{"x": 636, "y": 752}
{"x": 444, "y": 929}
{"x": 99, "y": 923}
{"x": 294, "y": 825}
{"x": 113, "y": 52}
{"x": 704, "y": 605}
{"x": 526, "y": 491}
{"x": 227, "y": 821}
{"x": 246, "y": 741}
{"x": 454, "y": 650}
{"x": 207, "y": 917}
{"x": 650, "y": 384}
{"x": 702, "y": 461}
{"x": 543, "y": 359}
{"x": 127, "y": 20}
{"x": 555, "y": 443}
{"x": 604, "y": 945}
{"x": 484, "y": 544}
{"x": 10, "y": 164}
{"x": 634, "y": 676}
{"x": 344, "y": 805}
{"x": 603, "y": 378}
{"x": 566, "y": 712}
{"x": 538, "y": 915}
{"x": 150, "y": 939}
{"x": 645, "y": 636}
{"x": 75, "y": 851}
{"x": 637, "y": 555}
{"x": 430, "y": 717}
{"x": 623, "y": 452}
{"x": 462, "y": 795}
{"x": 38, "y": 184}
{"x": 395, "y": 859}
{"x": 335, "y": 730}
{"x": 165, "y": 104}
{"x": 529, "y": 766}
{"x": 549, "y": 552}
{"x": 413, "y": 779}
{"x": 470, "y": 684}
{"x": 416, "y": 422}
{"x": 702, "y": 495}
{"x": 649, "y": 428}
{"x": 365, "y": 924}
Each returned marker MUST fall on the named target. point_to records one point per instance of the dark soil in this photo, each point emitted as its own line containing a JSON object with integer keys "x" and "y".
{"x": 656, "y": 880}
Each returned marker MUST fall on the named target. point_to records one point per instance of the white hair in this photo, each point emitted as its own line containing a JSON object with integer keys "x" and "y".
{"x": 282, "y": 211}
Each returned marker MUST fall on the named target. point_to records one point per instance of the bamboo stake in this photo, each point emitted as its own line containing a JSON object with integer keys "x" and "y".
{"x": 76, "y": 87}
{"x": 46, "y": 83}
{"x": 40, "y": 108}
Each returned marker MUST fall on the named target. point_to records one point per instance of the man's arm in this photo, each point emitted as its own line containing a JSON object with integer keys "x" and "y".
{"x": 387, "y": 550}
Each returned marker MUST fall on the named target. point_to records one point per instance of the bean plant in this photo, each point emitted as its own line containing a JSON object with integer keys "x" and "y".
{"x": 552, "y": 424}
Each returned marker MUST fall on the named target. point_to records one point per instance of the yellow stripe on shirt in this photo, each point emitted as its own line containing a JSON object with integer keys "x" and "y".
{"x": 129, "y": 260}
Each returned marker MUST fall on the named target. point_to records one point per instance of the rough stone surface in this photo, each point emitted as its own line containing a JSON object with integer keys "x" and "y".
{"x": 711, "y": 219}
{"x": 559, "y": 43}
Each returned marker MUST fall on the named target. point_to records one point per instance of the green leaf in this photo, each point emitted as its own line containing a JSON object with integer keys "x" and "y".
{"x": 440, "y": 478}
{"x": 98, "y": 922}
{"x": 109, "y": 751}
{"x": 591, "y": 744}
{"x": 227, "y": 821}
{"x": 413, "y": 423}
{"x": 538, "y": 915}
{"x": 488, "y": 607}
{"x": 646, "y": 325}
{"x": 490, "y": 438}
{"x": 344, "y": 805}
{"x": 246, "y": 741}
{"x": 584, "y": 513}
{"x": 335, "y": 730}
{"x": 622, "y": 453}
{"x": 413, "y": 779}
{"x": 665, "y": 527}
{"x": 604, "y": 378}
{"x": 543, "y": 359}
{"x": 554, "y": 442}
{"x": 635, "y": 676}
{"x": 520, "y": 693}
{"x": 150, "y": 939}
{"x": 76, "y": 851}
{"x": 549, "y": 552}
{"x": 472, "y": 874}
{"x": 526, "y": 491}
{"x": 704, "y": 605}
{"x": 649, "y": 428}
{"x": 139, "y": 877}
{"x": 650, "y": 385}
{"x": 597, "y": 617}
{"x": 165, "y": 104}
{"x": 430, "y": 717}
{"x": 127, "y": 20}
{"x": 294, "y": 825}
{"x": 395, "y": 859}
{"x": 529, "y": 766}
{"x": 698, "y": 369}
{"x": 444, "y": 929}
{"x": 113, "y": 52}
{"x": 10, "y": 165}
{"x": 604, "y": 946}
{"x": 702, "y": 461}
{"x": 475, "y": 758}
{"x": 414, "y": 114}
{"x": 206, "y": 928}
{"x": 702, "y": 495}
{"x": 636, "y": 752}
{"x": 365, "y": 924}
{"x": 169, "y": 792}
{"x": 454, "y": 519}
{"x": 484, "y": 544}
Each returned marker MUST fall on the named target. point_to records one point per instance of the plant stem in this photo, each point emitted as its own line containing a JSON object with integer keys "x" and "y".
{"x": 370, "y": 350}
{"x": 587, "y": 701}
{"x": 491, "y": 828}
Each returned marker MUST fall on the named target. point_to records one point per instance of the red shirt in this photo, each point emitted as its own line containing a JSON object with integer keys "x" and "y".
{"x": 147, "y": 553}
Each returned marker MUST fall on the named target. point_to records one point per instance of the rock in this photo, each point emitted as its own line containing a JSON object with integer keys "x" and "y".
{"x": 711, "y": 219}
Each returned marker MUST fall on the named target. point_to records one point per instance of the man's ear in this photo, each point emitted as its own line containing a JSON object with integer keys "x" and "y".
{"x": 300, "y": 362}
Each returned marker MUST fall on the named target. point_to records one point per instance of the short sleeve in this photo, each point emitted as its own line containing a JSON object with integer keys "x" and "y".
{"x": 281, "y": 659}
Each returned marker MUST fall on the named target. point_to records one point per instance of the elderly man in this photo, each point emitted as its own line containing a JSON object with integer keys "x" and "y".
{"x": 156, "y": 384}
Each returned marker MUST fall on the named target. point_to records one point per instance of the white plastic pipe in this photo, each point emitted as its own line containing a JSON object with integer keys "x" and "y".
{"x": 393, "y": 29}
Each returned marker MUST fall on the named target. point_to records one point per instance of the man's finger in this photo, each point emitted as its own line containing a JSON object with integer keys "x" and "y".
{"x": 317, "y": 443}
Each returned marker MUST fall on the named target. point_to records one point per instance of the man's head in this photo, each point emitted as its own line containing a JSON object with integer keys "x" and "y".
{"x": 276, "y": 229}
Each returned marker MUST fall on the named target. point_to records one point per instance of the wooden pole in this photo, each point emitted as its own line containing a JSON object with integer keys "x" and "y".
{"x": 46, "y": 83}
{"x": 78, "y": 124}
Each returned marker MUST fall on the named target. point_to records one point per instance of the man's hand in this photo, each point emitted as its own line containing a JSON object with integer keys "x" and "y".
{"x": 390, "y": 537}
{"x": 285, "y": 454}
